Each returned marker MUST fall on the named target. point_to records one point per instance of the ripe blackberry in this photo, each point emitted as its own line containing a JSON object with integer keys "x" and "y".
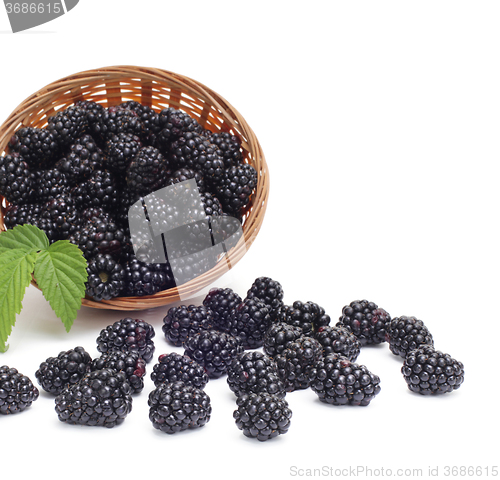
{"x": 93, "y": 111}
{"x": 405, "y": 334}
{"x": 37, "y": 146}
{"x": 62, "y": 215}
{"x": 48, "y": 184}
{"x": 173, "y": 367}
{"x": 249, "y": 321}
{"x": 236, "y": 187}
{"x": 148, "y": 117}
{"x": 121, "y": 149}
{"x": 100, "y": 189}
{"x": 67, "y": 124}
{"x": 338, "y": 381}
{"x": 213, "y": 350}
{"x": 308, "y": 316}
{"x": 93, "y": 215}
{"x": 105, "y": 278}
{"x": 183, "y": 174}
{"x": 295, "y": 360}
{"x": 16, "y": 183}
{"x": 114, "y": 120}
{"x": 230, "y": 146}
{"x": 338, "y": 340}
{"x": 262, "y": 415}
{"x": 56, "y": 373}
{"x": 17, "y": 392}
{"x": 211, "y": 204}
{"x": 221, "y": 301}
{"x": 147, "y": 172}
{"x": 100, "y": 398}
{"x": 128, "y": 335}
{"x": 429, "y": 371}
{"x": 278, "y": 336}
{"x": 22, "y": 214}
{"x": 174, "y": 124}
{"x": 366, "y": 320}
{"x": 268, "y": 291}
{"x": 254, "y": 372}
{"x": 145, "y": 278}
{"x": 129, "y": 363}
{"x": 174, "y": 407}
{"x": 185, "y": 320}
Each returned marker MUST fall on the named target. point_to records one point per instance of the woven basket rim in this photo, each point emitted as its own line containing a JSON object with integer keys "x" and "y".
{"x": 214, "y": 110}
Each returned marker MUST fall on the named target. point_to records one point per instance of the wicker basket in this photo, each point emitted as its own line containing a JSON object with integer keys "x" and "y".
{"x": 158, "y": 89}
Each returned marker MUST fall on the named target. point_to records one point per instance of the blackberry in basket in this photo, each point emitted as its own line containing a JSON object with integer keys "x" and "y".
{"x": 48, "y": 184}
{"x": 114, "y": 120}
{"x": 230, "y": 146}
{"x": 67, "y": 124}
{"x": 105, "y": 278}
{"x": 146, "y": 278}
{"x": 183, "y": 174}
{"x": 174, "y": 124}
{"x": 148, "y": 171}
{"x": 37, "y": 146}
{"x": 16, "y": 180}
{"x": 100, "y": 189}
{"x": 62, "y": 215}
{"x": 235, "y": 187}
{"x": 121, "y": 149}
{"x": 149, "y": 118}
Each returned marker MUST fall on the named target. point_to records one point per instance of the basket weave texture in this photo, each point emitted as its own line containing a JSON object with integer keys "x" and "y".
{"x": 158, "y": 89}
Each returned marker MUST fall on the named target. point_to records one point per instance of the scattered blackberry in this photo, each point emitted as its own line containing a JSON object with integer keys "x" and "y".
{"x": 213, "y": 350}
{"x": 173, "y": 367}
{"x": 16, "y": 181}
{"x": 262, "y": 415}
{"x": 174, "y": 407}
{"x": 185, "y": 320}
{"x": 269, "y": 291}
{"x": 147, "y": 172}
{"x": 105, "y": 278}
{"x": 129, "y": 363}
{"x": 173, "y": 124}
{"x": 100, "y": 189}
{"x": 278, "y": 336}
{"x": 230, "y": 146}
{"x": 184, "y": 174}
{"x": 405, "y": 334}
{"x": 254, "y": 372}
{"x": 148, "y": 117}
{"x": 308, "y": 316}
{"x": 236, "y": 187}
{"x": 68, "y": 368}
{"x": 115, "y": 120}
{"x": 295, "y": 360}
{"x": 366, "y": 320}
{"x": 67, "y": 124}
{"x": 221, "y": 301}
{"x": 62, "y": 215}
{"x": 37, "y": 146}
{"x": 429, "y": 371}
{"x": 338, "y": 340}
{"x": 249, "y": 321}
{"x": 121, "y": 149}
{"x": 145, "y": 278}
{"x": 48, "y": 184}
{"x": 17, "y": 391}
{"x": 100, "y": 398}
{"x": 338, "y": 381}
{"x": 128, "y": 335}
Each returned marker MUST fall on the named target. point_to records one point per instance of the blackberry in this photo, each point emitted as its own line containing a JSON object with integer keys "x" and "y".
{"x": 105, "y": 278}
{"x": 62, "y": 215}
{"x": 22, "y": 214}
{"x": 262, "y": 415}
{"x": 183, "y": 174}
{"x": 69, "y": 367}
{"x": 67, "y": 124}
{"x": 145, "y": 278}
{"x": 295, "y": 360}
{"x": 174, "y": 407}
{"x": 213, "y": 350}
{"x": 148, "y": 117}
{"x": 185, "y": 320}
{"x": 93, "y": 215}
{"x": 308, "y": 316}
{"x": 121, "y": 149}
{"x": 268, "y": 291}
{"x": 17, "y": 391}
{"x": 92, "y": 110}
{"x": 174, "y": 124}
{"x": 173, "y": 367}
{"x": 221, "y": 301}
{"x": 236, "y": 187}
{"x": 366, "y": 320}
{"x": 48, "y": 184}
{"x": 100, "y": 189}
{"x": 254, "y": 372}
{"x": 16, "y": 181}
{"x": 249, "y": 321}
{"x": 230, "y": 146}
{"x": 338, "y": 340}
{"x": 37, "y": 146}
{"x": 129, "y": 363}
{"x": 114, "y": 120}
{"x": 278, "y": 336}
{"x": 429, "y": 371}
{"x": 405, "y": 334}
{"x": 211, "y": 204}
{"x": 100, "y": 398}
{"x": 338, "y": 381}
{"x": 128, "y": 335}
{"x": 147, "y": 172}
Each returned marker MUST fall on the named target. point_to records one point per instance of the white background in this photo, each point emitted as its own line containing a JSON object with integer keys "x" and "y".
{"x": 380, "y": 126}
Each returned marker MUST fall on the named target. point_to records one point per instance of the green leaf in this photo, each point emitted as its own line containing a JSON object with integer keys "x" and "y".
{"x": 61, "y": 273}
{"x": 15, "y": 275}
{"x": 24, "y": 237}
